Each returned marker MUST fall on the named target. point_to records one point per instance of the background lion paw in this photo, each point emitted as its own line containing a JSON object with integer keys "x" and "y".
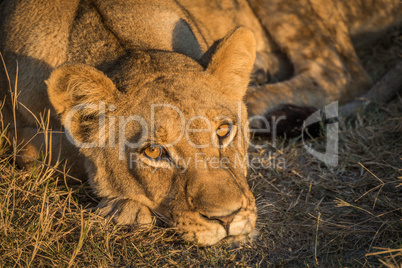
{"x": 288, "y": 121}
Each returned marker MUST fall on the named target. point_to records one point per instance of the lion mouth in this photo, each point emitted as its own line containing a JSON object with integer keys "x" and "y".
{"x": 236, "y": 227}
{"x": 225, "y": 221}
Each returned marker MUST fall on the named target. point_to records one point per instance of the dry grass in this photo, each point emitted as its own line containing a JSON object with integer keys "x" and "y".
{"x": 336, "y": 217}
{"x": 309, "y": 214}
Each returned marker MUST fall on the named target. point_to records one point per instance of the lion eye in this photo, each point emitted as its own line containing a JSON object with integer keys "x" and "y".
{"x": 154, "y": 152}
{"x": 223, "y": 130}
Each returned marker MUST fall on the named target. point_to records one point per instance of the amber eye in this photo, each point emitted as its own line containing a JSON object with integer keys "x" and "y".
{"x": 223, "y": 130}
{"x": 154, "y": 152}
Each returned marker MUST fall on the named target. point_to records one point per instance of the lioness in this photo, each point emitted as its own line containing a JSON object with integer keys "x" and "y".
{"x": 153, "y": 94}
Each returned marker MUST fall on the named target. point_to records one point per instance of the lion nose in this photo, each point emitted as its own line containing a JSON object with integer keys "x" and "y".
{"x": 225, "y": 221}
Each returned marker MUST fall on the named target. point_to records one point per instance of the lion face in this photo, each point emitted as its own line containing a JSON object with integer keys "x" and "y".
{"x": 164, "y": 136}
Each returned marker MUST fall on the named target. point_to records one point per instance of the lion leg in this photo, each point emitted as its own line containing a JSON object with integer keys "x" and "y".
{"x": 316, "y": 40}
{"x": 326, "y": 67}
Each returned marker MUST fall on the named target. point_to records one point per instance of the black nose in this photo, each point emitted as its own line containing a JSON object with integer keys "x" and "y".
{"x": 225, "y": 221}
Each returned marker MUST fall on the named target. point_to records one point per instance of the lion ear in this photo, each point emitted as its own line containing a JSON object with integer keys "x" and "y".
{"x": 78, "y": 92}
{"x": 233, "y": 61}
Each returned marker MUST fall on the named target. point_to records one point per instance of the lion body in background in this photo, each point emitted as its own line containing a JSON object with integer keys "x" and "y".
{"x": 196, "y": 56}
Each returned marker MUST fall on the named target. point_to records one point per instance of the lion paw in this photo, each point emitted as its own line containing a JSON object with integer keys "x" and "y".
{"x": 126, "y": 212}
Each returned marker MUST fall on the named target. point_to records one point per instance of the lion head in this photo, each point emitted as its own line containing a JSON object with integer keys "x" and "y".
{"x": 165, "y": 136}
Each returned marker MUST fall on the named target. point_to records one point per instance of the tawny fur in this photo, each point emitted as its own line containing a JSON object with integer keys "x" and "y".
{"x": 195, "y": 55}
